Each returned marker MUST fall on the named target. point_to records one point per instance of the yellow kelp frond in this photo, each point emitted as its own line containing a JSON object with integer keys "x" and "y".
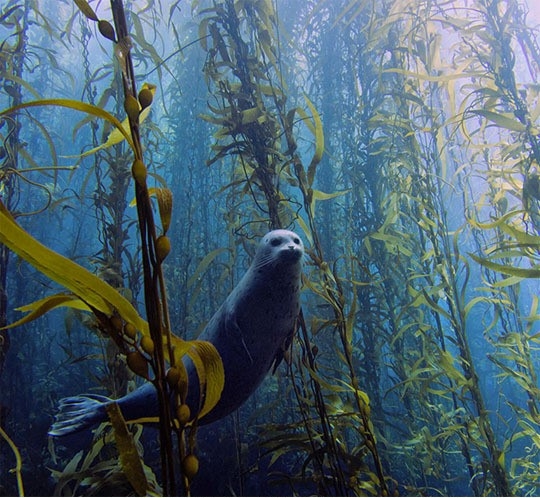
{"x": 165, "y": 203}
{"x": 42, "y": 306}
{"x": 18, "y": 459}
{"x": 513, "y": 271}
{"x": 317, "y": 195}
{"x": 89, "y": 288}
{"x": 129, "y": 456}
{"x": 317, "y": 129}
{"x": 506, "y": 225}
{"x": 85, "y": 8}
{"x": 99, "y": 470}
{"x": 520, "y": 244}
{"x": 209, "y": 369}
{"x": 195, "y": 282}
{"x": 120, "y": 128}
{"x": 501, "y": 120}
{"x": 123, "y": 132}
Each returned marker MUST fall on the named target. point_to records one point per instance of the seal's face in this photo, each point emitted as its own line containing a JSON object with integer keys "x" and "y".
{"x": 280, "y": 246}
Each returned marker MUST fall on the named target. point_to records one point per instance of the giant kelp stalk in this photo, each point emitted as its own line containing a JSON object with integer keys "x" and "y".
{"x": 345, "y": 68}
{"x": 252, "y": 128}
{"x": 400, "y": 167}
{"x": 112, "y": 174}
{"x": 511, "y": 234}
{"x": 379, "y": 160}
{"x": 152, "y": 254}
{"x": 161, "y": 345}
{"x": 12, "y": 58}
{"x": 441, "y": 283}
{"x": 257, "y": 129}
{"x": 441, "y": 271}
{"x": 437, "y": 282}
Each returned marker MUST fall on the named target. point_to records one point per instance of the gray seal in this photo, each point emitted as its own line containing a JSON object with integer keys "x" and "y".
{"x": 251, "y": 330}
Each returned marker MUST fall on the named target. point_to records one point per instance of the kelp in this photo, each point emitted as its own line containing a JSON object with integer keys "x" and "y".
{"x": 18, "y": 461}
{"x": 513, "y": 243}
{"x": 115, "y": 314}
{"x": 96, "y": 294}
{"x": 253, "y": 117}
{"x": 400, "y": 138}
{"x": 443, "y": 295}
{"x": 129, "y": 456}
{"x": 100, "y": 470}
{"x": 412, "y": 201}
{"x": 15, "y": 21}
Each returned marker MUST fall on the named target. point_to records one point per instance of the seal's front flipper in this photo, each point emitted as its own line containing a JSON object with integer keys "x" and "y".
{"x": 77, "y": 413}
{"x": 284, "y": 351}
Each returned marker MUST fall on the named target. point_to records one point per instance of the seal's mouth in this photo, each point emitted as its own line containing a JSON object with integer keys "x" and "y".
{"x": 290, "y": 254}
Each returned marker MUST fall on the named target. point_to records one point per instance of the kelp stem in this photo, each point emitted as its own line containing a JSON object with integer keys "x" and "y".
{"x": 153, "y": 277}
{"x": 18, "y": 459}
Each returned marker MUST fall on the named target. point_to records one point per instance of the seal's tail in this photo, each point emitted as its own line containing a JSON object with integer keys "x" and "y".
{"x": 77, "y": 413}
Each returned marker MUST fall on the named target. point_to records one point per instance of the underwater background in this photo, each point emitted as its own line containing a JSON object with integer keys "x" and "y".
{"x": 399, "y": 138}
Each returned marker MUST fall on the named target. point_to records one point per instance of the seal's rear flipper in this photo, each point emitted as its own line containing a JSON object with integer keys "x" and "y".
{"x": 77, "y": 413}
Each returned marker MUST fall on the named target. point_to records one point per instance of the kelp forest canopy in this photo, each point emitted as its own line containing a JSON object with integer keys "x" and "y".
{"x": 399, "y": 138}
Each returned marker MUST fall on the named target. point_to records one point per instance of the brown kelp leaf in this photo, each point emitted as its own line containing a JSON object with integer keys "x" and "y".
{"x": 502, "y": 120}
{"x": 129, "y": 456}
{"x": 122, "y": 130}
{"x": 317, "y": 195}
{"x": 85, "y": 8}
{"x": 319, "y": 142}
{"x": 165, "y": 203}
{"x": 204, "y": 264}
{"x": 195, "y": 282}
{"x": 513, "y": 271}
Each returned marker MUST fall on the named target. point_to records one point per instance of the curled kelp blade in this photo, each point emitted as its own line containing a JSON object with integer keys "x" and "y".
{"x": 209, "y": 367}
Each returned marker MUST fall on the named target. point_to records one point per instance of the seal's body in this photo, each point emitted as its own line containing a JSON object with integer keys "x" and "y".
{"x": 250, "y": 332}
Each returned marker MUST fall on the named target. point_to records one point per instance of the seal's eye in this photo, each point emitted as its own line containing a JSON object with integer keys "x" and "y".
{"x": 276, "y": 241}
{"x": 296, "y": 240}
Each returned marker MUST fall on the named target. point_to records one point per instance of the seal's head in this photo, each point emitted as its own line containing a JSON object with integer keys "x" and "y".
{"x": 279, "y": 247}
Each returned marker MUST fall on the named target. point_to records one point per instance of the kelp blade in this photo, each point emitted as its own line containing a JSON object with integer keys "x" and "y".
{"x": 77, "y": 106}
{"x": 513, "y": 271}
{"x": 209, "y": 369}
{"x": 129, "y": 456}
{"x": 85, "y": 285}
{"x": 42, "y": 306}
{"x": 119, "y": 133}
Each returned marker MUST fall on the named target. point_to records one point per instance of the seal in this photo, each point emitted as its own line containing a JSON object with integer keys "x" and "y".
{"x": 251, "y": 330}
